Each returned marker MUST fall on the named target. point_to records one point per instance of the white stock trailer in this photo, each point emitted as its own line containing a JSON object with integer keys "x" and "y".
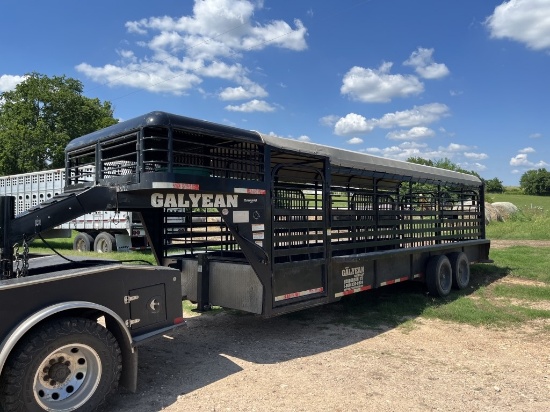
{"x": 100, "y": 231}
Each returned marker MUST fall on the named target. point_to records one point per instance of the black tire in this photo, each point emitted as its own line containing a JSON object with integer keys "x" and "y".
{"x": 439, "y": 276}
{"x": 460, "y": 265}
{"x": 104, "y": 243}
{"x": 83, "y": 242}
{"x": 63, "y": 365}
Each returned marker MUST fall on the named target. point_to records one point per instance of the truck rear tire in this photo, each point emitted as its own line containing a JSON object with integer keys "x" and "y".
{"x": 104, "y": 243}
{"x": 461, "y": 269}
{"x": 83, "y": 242}
{"x": 439, "y": 276}
{"x": 64, "y": 365}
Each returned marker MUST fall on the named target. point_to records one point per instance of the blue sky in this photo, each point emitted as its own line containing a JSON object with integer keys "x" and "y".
{"x": 466, "y": 80}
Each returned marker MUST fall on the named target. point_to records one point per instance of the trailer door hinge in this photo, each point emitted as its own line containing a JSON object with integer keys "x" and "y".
{"x": 130, "y": 322}
{"x": 128, "y": 299}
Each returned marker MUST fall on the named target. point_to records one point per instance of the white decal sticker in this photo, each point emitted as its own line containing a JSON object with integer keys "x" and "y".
{"x": 241, "y": 216}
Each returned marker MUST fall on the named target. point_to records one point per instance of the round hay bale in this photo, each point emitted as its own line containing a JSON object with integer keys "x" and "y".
{"x": 491, "y": 213}
{"x": 505, "y": 209}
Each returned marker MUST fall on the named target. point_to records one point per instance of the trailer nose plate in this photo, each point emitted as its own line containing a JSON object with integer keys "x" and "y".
{"x": 150, "y": 307}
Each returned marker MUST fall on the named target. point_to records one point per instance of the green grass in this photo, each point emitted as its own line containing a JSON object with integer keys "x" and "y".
{"x": 523, "y": 292}
{"x": 65, "y": 247}
{"x": 532, "y": 221}
{"x": 524, "y": 262}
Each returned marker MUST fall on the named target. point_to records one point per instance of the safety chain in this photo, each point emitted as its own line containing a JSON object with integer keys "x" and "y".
{"x": 21, "y": 260}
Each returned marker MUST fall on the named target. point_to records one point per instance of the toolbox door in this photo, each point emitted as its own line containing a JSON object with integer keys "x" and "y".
{"x": 147, "y": 306}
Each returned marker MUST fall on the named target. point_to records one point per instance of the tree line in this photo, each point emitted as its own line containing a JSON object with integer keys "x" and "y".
{"x": 42, "y": 114}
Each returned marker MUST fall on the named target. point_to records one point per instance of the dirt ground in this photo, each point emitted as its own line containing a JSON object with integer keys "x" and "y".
{"x": 310, "y": 362}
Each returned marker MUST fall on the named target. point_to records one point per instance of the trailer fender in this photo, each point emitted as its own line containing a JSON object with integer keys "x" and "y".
{"x": 121, "y": 332}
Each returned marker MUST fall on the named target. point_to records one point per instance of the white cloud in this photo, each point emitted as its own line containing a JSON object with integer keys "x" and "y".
{"x": 252, "y": 106}
{"x": 525, "y": 21}
{"x": 352, "y": 124}
{"x": 8, "y": 82}
{"x": 179, "y": 53}
{"x": 522, "y": 160}
{"x": 459, "y": 154}
{"x": 424, "y": 65}
{"x": 155, "y": 78}
{"x": 454, "y": 147}
{"x": 527, "y": 150}
{"x": 417, "y": 116}
{"x": 329, "y": 120}
{"x": 401, "y": 152}
{"x": 355, "y": 140}
{"x": 304, "y": 138}
{"x": 478, "y": 167}
{"x": 243, "y": 93}
{"x": 535, "y": 135}
{"x": 476, "y": 156}
{"x": 415, "y": 133}
{"x": 378, "y": 85}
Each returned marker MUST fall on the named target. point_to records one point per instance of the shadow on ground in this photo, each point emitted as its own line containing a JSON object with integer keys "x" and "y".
{"x": 213, "y": 345}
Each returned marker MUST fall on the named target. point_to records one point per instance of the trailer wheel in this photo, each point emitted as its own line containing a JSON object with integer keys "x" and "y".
{"x": 461, "y": 269}
{"x": 83, "y": 242}
{"x": 104, "y": 243}
{"x": 64, "y": 365}
{"x": 439, "y": 275}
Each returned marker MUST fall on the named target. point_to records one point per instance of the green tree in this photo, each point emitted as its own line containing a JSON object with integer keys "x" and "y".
{"x": 40, "y": 117}
{"x": 536, "y": 182}
{"x": 494, "y": 186}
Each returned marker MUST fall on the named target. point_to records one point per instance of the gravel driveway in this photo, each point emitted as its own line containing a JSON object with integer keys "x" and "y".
{"x": 310, "y": 362}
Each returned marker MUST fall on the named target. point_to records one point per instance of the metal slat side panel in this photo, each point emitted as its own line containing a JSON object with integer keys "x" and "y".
{"x": 31, "y": 189}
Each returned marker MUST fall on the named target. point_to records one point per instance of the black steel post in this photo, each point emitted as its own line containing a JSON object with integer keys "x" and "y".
{"x": 203, "y": 283}
{"x": 7, "y": 213}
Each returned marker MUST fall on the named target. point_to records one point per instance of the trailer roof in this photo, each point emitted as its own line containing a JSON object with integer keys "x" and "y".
{"x": 355, "y": 160}
{"x": 163, "y": 119}
{"x": 338, "y": 157}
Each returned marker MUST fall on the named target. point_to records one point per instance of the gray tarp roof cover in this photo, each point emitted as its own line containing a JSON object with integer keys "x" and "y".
{"x": 347, "y": 158}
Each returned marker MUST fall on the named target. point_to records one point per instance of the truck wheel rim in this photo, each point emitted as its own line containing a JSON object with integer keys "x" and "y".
{"x": 67, "y": 378}
{"x": 81, "y": 246}
{"x": 463, "y": 273}
{"x": 101, "y": 246}
{"x": 445, "y": 277}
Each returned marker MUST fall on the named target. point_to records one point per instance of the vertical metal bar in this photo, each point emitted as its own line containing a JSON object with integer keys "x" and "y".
{"x": 170, "y": 151}
{"x": 98, "y": 163}
{"x": 481, "y": 208}
{"x": 140, "y": 151}
{"x": 375, "y": 210}
{"x": 439, "y": 216}
{"x": 327, "y": 228}
{"x": 203, "y": 283}
{"x": 7, "y": 213}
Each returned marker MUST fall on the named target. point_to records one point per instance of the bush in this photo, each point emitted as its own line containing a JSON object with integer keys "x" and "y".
{"x": 536, "y": 182}
{"x": 494, "y": 186}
